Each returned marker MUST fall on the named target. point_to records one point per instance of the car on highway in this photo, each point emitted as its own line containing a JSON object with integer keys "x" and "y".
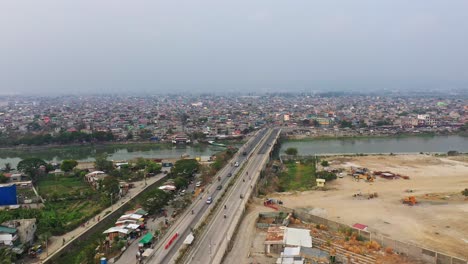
{"x": 209, "y": 200}
{"x": 198, "y": 184}
{"x": 219, "y": 187}
{"x": 236, "y": 164}
{"x": 229, "y": 174}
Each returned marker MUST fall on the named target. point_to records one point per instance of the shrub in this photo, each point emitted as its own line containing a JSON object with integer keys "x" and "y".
{"x": 465, "y": 192}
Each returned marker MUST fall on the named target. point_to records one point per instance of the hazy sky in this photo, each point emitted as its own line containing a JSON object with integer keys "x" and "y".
{"x": 71, "y": 46}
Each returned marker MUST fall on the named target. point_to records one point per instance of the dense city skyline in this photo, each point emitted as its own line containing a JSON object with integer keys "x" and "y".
{"x": 56, "y": 47}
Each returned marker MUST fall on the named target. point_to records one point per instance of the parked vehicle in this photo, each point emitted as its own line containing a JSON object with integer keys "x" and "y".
{"x": 219, "y": 187}
{"x": 236, "y": 164}
{"x": 198, "y": 184}
{"x": 209, "y": 200}
{"x": 229, "y": 174}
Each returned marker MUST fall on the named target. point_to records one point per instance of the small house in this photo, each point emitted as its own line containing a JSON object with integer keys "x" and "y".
{"x": 94, "y": 177}
{"x": 320, "y": 182}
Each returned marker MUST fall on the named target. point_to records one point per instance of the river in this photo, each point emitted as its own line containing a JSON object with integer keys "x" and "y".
{"x": 317, "y": 146}
{"x": 379, "y": 145}
{"x": 115, "y": 152}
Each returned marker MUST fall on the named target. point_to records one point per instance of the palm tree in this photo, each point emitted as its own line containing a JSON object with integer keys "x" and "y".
{"x": 7, "y": 167}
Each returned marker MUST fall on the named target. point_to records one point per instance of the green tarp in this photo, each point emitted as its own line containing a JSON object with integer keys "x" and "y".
{"x": 146, "y": 238}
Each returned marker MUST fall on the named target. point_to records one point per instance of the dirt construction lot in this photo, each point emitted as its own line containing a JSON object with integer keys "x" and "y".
{"x": 439, "y": 224}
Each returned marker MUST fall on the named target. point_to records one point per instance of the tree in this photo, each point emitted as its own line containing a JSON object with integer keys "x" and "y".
{"x": 324, "y": 163}
{"x": 145, "y": 134}
{"x": 153, "y": 167}
{"x": 328, "y": 176}
{"x": 345, "y": 123}
{"x": 7, "y": 167}
{"x": 3, "y": 178}
{"x": 316, "y": 123}
{"x": 29, "y": 164}
{"x": 180, "y": 182}
{"x": 185, "y": 167}
{"x": 291, "y": 151}
{"x": 103, "y": 164}
{"x": 140, "y": 163}
{"x": 464, "y": 128}
{"x": 465, "y": 192}
{"x": 129, "y": 136}
{"x": 31, "y": 167}
{"x": 198, "y": 135}
{"x": 68, "y": 165}
{"x": 155, "y": 200}
{"x": 384, "y": 122}
{"x": 110, "y": 185}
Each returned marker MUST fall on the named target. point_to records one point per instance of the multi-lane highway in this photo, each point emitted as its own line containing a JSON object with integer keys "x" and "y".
{"x": 212, "y": 244}
{"x": 165, "y": 252}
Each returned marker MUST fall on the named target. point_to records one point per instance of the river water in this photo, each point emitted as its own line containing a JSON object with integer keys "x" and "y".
{"x": 115, "y": 152}
{"x": 379, "y": 145}
{"x": 350, "y": 145}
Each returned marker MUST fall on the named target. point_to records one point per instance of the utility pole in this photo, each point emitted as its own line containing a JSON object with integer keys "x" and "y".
{"x": 112, "y": 205}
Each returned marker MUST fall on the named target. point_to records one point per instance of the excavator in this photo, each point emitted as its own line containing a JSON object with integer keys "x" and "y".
{"x": 410, "y": 200}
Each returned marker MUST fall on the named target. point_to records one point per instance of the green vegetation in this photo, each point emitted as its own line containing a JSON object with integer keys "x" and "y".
{"x": 61, "y": 185}
{"x": 384, "y": 122}
{"x": 185, "y": 168}
{"x": 6, "y": 255}
{"x": 61, "y": 138}
{"x": 402, "y": 135}
{"x": 328, "y": 176}
{"x": 324, "y": 163}
{"x": 298, "y": 176}
{"x": 155, "y": 200}
{"x": 68, "y": 165}
{"x": 345, "y": 123}
{"x": 3, "y": 178}
{"x": 465, "y": 192}
{"x": 31, "y": 167}
{"x": 221, "y": 159}
{"x": 103, "y": 164}
{"x": 291, "y": 151}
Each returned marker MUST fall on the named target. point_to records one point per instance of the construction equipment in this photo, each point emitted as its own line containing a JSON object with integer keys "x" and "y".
{"x": 410, "y": 200}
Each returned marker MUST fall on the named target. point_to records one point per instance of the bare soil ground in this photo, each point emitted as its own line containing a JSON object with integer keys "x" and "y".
{"x": 248, "y": 246}
{"x": 438, "y": 222}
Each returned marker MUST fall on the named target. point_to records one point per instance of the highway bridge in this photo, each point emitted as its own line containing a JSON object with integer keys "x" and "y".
{"x": 212, "y": 242}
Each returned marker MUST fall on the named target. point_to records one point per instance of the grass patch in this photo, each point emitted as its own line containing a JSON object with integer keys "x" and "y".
{"x": 297, "y": 176}
{"x": 61, "y": 185}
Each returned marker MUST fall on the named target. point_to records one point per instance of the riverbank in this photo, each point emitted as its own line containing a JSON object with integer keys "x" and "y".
{"x": 114, "y": 151}
{"x": 305, "y": 138}
{"x": 101, "y": 144}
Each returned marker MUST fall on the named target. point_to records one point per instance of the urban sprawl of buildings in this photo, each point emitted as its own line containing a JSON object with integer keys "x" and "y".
{"x": 164, "y": 117}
